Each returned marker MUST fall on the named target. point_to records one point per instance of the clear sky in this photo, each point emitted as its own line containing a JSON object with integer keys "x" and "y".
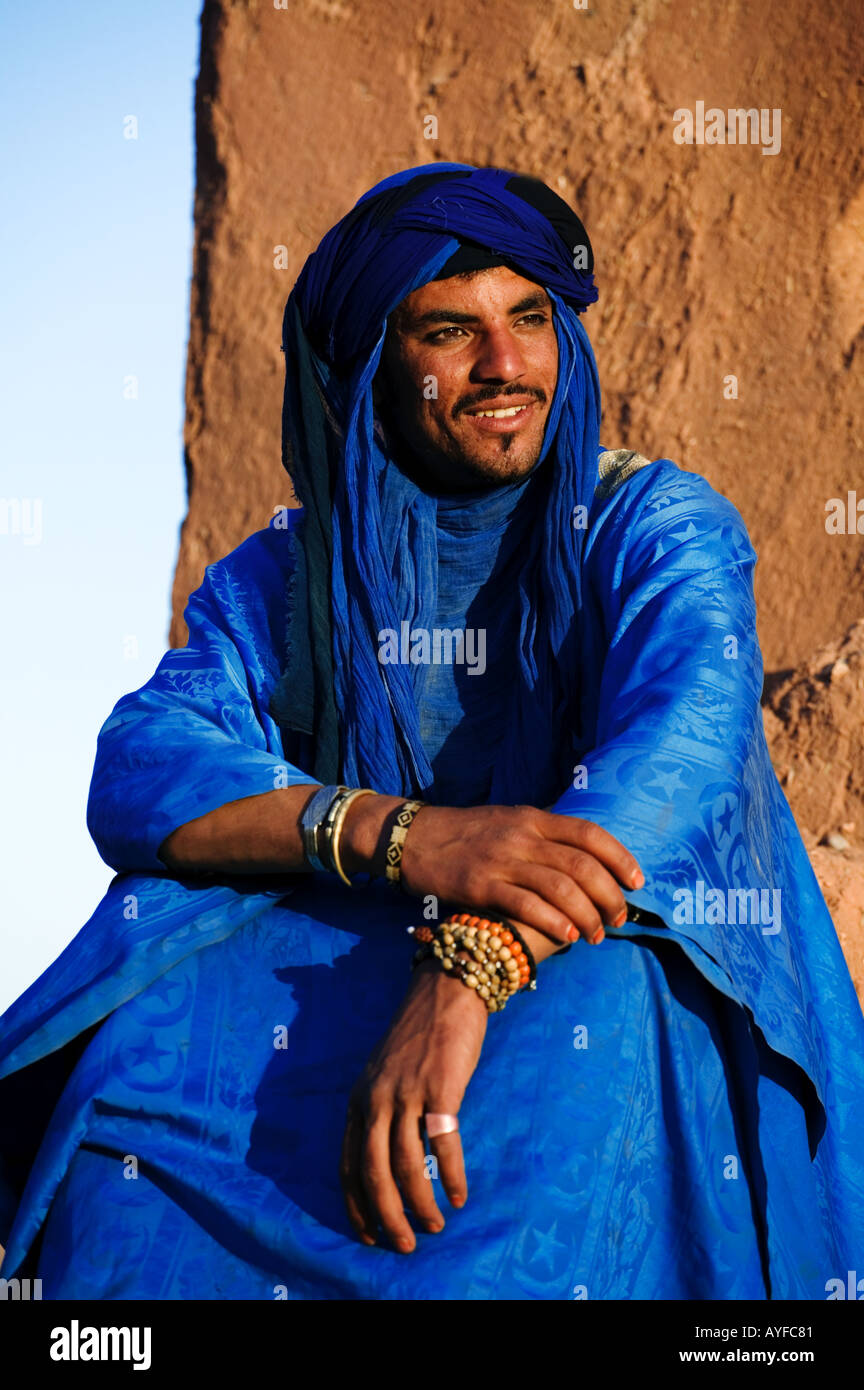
{"x": 96, "y": 245}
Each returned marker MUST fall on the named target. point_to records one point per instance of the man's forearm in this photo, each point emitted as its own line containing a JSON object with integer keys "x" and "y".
{"x": 261, "y": 834}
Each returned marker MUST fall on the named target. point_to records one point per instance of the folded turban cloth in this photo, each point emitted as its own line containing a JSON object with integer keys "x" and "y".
{"x": 366, "y": 551}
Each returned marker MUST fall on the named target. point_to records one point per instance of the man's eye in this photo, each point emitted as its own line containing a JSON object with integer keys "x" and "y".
{"x": 438, "y": 335}
{"x": 443, "y": 335}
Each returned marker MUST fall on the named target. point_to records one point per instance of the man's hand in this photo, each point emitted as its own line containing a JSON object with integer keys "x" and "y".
{"x": 423, "y": 1065}
{"x": 555, "y": 873}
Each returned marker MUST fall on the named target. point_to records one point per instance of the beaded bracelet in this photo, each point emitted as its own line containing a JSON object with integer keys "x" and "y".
{"x": 487, "y": 956}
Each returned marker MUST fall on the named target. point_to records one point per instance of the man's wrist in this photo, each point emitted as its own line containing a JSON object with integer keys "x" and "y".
{"x": 365, "y": 832}
{"x": 541, "y": 946}
{"x": 447, "y": 983}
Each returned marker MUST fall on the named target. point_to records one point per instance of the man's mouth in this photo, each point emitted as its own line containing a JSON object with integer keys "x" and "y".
{"x": 501, "y": 417}
{"x": 499, "y": 414}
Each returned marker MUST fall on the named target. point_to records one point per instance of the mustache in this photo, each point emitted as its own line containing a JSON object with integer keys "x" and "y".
{"x": 493, "y": 393}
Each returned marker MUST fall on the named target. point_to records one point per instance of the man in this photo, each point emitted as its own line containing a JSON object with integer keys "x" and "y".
{"x": 551, "y": 647}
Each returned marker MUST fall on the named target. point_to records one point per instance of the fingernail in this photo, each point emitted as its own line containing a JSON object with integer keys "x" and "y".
{"x": 433, "y": 1230}
{"x": 601, "y": 935}
{"x": 405, "y": 1245}
{"x": 620, "y": 919}
{"x": 638, "y": 879}
{"x": 572, "y": 933}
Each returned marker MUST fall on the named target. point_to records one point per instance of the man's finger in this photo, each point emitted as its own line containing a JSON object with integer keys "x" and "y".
{"x": 447, "y": 1149}
{"x": 585, "y": 834}
{"x": 380, "y": 1184}
{"x": 360, "y": 1212}
{"x": 519, "y": 903}
{"x": 581, "y": 870}
{"x": 408, "y": 1160}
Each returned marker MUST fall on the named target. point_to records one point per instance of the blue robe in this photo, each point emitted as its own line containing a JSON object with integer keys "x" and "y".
{"x": 675, "y": 1114}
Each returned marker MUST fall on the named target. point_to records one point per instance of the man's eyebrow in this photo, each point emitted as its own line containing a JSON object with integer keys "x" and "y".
{"x": 539, "y": 299}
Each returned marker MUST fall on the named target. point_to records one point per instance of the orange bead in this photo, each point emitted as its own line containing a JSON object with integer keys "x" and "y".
{"x": 464, "y": 918}
{"x": 506, "y": 936}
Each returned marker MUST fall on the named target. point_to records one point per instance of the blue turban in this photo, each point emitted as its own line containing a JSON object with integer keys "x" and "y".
{"x": 366, "y": 551}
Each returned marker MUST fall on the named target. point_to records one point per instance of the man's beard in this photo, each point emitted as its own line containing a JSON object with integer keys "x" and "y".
{"x": 498, "y": 468}
{"x": 424, "y": 465}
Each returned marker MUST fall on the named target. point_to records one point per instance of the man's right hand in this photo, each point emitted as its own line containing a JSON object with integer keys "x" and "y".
{"x": 558, "y": 874}
{"x": 539, "y": 869}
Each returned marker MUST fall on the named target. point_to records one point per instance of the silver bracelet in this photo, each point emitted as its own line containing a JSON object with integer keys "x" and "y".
{"x": 316, "y": 831}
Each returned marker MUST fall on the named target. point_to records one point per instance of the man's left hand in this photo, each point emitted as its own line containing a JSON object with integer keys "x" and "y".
{"x": 423, "y": 1065}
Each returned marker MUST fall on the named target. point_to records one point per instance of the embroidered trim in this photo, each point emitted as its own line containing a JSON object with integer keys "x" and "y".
{"x": 615, "y": 466}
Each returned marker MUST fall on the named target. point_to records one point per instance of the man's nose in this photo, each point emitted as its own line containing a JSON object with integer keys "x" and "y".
{"x": 498, "y": 358}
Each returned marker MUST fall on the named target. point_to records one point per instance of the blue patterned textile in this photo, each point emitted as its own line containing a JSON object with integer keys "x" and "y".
{"x": 676, "y": 1113}
{"x": 706, "y": 1143}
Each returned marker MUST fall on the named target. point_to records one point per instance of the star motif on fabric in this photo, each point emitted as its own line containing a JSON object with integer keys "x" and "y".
{"x": 546, "y": 1243}
{"x": 162, "y": 989}
{"x": 686, "y": 535}
{"x": 657, "y": 502}
{"x": 148, "y": 1053}
{"x": 669, "y": 781}
{"x": 724, "y": 820}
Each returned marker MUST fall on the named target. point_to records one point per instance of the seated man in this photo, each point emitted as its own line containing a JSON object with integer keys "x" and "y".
{"x": 517, "y": 676}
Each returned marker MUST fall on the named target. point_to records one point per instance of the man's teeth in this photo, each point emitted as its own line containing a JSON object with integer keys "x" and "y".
{"x": 500, "y": 414}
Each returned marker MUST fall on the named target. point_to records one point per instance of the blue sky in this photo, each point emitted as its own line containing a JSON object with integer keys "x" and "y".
{"x": 96, "y": 244}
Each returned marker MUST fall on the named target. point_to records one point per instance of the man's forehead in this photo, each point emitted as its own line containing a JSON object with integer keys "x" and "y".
{"x": 495, "y": 288}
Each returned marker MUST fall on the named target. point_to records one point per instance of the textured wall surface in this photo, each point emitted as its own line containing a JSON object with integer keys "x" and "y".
{"x": 712, "y": 260}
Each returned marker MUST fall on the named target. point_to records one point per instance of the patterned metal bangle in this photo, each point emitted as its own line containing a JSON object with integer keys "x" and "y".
{"x": 404, "y": 816}
{"x": 325, "y": 830}
{"x": 311, "y": 821}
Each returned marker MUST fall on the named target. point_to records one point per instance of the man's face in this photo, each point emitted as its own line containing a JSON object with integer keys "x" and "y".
{"x": 486, "y": 343}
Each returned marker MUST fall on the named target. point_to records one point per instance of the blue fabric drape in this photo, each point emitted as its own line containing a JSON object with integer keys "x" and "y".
{"x": 602, "y": 1167}
{"x": 674, "y": 1114}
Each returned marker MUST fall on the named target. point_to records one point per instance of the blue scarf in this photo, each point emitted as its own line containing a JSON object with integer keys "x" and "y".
{"x": 369, "y": 539}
